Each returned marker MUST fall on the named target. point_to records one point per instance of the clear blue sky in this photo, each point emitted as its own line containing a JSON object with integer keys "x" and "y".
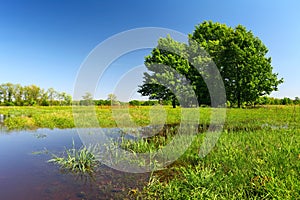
{"x": 45, "y": 42}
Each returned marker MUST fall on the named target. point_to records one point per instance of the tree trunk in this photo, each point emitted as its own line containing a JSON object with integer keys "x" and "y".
{"x": 238, "y": 86}
{"x": 239, "y": 99}
{"x": 174, "y": 102}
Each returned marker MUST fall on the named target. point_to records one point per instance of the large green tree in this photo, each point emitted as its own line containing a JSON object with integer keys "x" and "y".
{"x": 239, "y": 56}
{"x": 241, "y": 59}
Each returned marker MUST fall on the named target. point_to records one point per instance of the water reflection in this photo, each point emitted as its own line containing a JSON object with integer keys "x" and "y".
{"x": 2, "y": 118}
{"x": 39, "y": 135}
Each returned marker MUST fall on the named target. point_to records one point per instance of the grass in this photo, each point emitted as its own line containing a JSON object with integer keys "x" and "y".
{"x": 37, "y": 117}
{"x": 62, "y": 117}
{"x": 256, "y": 157}
{"x": 76, "y": 161}
{"x": 260, "y": 164}
{"x": 150, "y": 144}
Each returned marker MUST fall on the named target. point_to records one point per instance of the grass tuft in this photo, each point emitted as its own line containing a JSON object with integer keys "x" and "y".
{"x": 76, "y": 161}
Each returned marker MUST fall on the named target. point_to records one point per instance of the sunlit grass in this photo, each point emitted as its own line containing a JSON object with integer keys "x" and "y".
{"x": 63, "y": 117}
{"x": 260, "y": 164}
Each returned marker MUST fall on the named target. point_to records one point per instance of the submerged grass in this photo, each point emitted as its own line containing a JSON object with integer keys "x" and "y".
{"x": 150, "y": 144}
{"x": 76, "y": 161}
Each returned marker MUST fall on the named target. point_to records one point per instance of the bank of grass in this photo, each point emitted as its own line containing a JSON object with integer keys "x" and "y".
{"x": 262, "y": 164}
{"x": 37, "y": 117}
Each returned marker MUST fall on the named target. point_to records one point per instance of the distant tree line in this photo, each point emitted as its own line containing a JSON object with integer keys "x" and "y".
{"x": 277, "y": 101}
{"x": 265, "y": 100}
{"x": 87, "y": 100}
{"x": 106, "y": 102}
{"x": 18, "y": 95}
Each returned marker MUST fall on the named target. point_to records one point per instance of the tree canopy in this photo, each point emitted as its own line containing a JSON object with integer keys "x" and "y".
{"x": 240, "y": 57}
{"x": 174, "y": 78}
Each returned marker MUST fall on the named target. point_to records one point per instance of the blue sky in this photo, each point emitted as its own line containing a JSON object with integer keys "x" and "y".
{"x": 45, "y": 42}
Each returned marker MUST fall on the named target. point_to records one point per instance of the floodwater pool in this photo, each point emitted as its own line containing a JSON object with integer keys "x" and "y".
{"x": 26, "y": 174}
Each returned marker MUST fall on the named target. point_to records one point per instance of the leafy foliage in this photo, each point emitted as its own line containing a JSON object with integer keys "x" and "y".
{"x": 239, "y": 56}
{"x": 171, "y": 78}
{"x": 241, "y": 60}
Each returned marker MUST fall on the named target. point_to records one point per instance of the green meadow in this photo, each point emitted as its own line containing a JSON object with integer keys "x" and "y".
{"x": 63, "y": 117}
{"x": 256, "y": 157}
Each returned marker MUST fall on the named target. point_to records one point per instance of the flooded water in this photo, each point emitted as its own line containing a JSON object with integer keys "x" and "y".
{"x": 25, "y": 173}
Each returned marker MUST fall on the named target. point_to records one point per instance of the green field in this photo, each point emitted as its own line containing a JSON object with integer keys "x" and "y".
{"x": 256, "y": 157}
{"x": 62, "y": 116}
